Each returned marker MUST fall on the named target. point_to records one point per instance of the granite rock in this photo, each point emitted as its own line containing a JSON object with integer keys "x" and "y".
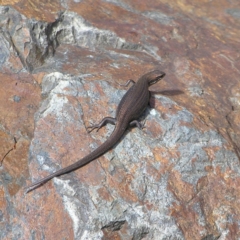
{"x": 61, "y": 66}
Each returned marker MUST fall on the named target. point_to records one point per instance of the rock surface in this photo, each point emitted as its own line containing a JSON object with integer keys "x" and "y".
{"x": 61, "y": 65}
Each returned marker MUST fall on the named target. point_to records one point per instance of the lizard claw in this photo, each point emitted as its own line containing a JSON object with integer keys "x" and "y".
{"x": 91, "y": 128}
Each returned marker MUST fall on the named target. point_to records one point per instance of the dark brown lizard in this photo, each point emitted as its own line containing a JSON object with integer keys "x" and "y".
{"x": 130, "y": 108}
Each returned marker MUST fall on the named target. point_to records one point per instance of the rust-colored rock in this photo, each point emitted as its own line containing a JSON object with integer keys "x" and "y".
{"x": 61, "y": 66}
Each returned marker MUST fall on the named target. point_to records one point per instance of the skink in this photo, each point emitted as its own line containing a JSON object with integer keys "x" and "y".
{"x": 130, "y": 108}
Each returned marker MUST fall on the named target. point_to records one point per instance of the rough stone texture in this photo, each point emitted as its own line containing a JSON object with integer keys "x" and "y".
{"x": 61, "y": 63}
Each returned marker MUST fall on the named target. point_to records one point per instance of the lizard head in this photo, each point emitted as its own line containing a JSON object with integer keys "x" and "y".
{"x": 154, "y": 76}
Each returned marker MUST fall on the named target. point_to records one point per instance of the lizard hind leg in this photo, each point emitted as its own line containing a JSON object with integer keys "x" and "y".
{"x": 102, "y": 123}
{"x": 138, "y": 124}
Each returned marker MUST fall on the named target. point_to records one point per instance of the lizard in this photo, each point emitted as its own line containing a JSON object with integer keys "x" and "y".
{"x": 130, "y": 108}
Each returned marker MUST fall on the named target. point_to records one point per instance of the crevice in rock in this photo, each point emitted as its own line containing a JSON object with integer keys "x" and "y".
{"x": 71, "y": 28}
{"x": 114, "y": 225}
{"x": 210, "y": 237}
{"x": 140, "y": 233}
{"x": 14, "y": 147}
{"x": 68, "y": 28}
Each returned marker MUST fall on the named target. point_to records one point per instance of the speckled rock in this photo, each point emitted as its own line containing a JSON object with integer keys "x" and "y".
{"x": 61, "y": 65}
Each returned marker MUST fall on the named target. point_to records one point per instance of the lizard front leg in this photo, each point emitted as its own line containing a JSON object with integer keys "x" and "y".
{"x": 127, "y": 83}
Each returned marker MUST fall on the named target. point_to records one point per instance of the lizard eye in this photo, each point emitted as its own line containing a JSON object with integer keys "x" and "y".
{"x": 157, "y": 78}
